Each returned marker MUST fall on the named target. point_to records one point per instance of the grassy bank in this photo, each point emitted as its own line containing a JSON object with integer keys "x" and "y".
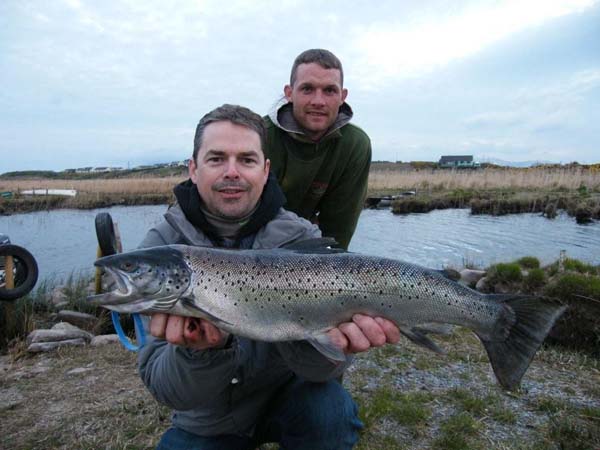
{"x": 581, "y": 204}
{"x": 96, "y": 193}
{"x": 435, "y": 188}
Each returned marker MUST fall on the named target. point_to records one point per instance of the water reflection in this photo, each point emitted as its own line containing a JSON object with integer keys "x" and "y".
{"x": 64, "y": 241}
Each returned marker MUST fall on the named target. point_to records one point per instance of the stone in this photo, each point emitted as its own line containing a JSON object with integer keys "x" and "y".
{"x": 482, "y": 285}
{"x": 65, "y": 326}
{"x": 57, "y": 335}
{"x": 80, "y": 319}
{"x": 9, "y": 398}
{"x": 104, "y": 339}
{"x": 470, "y": 277}
{"x": 58, "y": 296}
{"x": 38, "y": 347}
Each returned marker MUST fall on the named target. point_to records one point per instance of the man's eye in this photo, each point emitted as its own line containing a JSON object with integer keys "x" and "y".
{"x": 306, "y": 89}
{"x": 249, "y": 161}
{"x": 215, "y": 159}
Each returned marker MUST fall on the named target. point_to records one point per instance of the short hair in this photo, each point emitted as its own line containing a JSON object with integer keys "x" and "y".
{"x": 235, "y": 114}
{"x": 322, "y": 57}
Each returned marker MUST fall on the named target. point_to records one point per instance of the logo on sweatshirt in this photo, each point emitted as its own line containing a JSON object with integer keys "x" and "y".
{"x": 318, "y": 188}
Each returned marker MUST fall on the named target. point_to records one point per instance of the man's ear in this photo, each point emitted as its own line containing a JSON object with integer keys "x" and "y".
{"x": 267, "y": 168}
{"x": 344, "y": 94}
{"x": 192, "y": 170}
{"x": 287, "y": 91}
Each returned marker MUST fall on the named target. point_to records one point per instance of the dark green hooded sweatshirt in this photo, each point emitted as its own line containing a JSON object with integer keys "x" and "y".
{"x": 324, "y": 181}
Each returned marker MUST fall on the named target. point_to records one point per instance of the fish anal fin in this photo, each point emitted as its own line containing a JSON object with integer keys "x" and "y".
{"x": 444, "y": 329}
{"x": 418, "y": 336}
{"x": 325, "y": 346}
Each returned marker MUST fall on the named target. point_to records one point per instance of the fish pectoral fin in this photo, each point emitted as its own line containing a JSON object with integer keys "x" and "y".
{"x": 323, "y": 344}
{"x": 189, "y": 303}
{"x": 418, "y": 336}
{"x": 316, "y": 245}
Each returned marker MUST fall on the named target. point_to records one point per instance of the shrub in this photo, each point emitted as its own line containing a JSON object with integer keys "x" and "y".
{"x": 534, "y": 280}
{"x": 505, "y": 273}
{"x": 529, "y": 262}
{"x": 579, "y": 326}
{"x": 575, "y": 265}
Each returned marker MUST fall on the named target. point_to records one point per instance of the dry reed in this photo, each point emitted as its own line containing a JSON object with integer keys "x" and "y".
{"x": 150, "y": 185}
{"x": 545, "y": 179}
{"x": 521, "y": 179}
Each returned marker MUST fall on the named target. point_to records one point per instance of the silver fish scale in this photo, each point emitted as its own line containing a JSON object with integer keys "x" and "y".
{"x": 279, "y": 295}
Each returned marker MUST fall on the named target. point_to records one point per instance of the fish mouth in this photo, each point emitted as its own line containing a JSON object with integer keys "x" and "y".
{"x": 124, "y": 288}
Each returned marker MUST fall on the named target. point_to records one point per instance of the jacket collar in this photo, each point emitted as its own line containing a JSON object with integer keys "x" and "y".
{"x": 283, "y": 117}
{"x": 191, "y": 205}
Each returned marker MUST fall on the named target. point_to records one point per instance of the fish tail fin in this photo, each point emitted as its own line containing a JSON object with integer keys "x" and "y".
{"x": 524, "y": 324}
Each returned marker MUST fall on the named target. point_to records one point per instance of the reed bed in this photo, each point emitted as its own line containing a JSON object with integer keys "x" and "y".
{"x": 544, "y": 179}
{"x": 146, "y": 185}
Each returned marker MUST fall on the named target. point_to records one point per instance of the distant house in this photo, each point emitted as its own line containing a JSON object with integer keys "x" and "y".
{"x": 458, "y": 162}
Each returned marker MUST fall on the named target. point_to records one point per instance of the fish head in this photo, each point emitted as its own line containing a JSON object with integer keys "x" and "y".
{"x": 145, "y": 280}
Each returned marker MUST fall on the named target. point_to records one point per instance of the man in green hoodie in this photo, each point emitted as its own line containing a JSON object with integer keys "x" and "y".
{"x": 320, "y": 159}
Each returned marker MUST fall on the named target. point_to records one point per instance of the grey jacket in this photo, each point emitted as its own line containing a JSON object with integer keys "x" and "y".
{"x": 225, "y": 391}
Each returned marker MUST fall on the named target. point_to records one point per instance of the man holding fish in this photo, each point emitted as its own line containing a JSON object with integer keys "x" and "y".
{"x": 230, "y": 392}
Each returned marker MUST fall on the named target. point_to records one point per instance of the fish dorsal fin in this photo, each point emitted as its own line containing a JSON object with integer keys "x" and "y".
{"x": 316, "y": 245}
{"x": 418, "y": 336}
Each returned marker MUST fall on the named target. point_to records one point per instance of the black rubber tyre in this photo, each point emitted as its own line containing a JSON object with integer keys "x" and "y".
{"x": 25, "y": 272}
{"x": 105, "y": 232}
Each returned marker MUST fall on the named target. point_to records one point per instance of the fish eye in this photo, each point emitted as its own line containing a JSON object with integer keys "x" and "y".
{"x": 128, "y": 266}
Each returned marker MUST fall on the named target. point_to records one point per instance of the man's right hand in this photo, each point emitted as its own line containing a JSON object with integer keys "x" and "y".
{"x": 190, "y": 332}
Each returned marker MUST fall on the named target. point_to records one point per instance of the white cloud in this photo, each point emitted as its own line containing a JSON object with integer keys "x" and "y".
{"x": 388, "y": 50}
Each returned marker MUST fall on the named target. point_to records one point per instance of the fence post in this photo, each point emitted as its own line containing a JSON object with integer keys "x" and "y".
{"x": 9, "y": 307}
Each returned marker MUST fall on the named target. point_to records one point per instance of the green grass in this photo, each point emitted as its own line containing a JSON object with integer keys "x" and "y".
{"x": 459, "y": 432}
{"x": 410, "y": 410}
{"x": 505, "y": 273}
{"x": 529, "y": 262}
{"x": 575, "y": 265}
{"x": 535, "y": 279}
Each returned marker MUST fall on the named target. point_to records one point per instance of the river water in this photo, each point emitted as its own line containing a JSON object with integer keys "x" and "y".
{"x": 64, "y": 241}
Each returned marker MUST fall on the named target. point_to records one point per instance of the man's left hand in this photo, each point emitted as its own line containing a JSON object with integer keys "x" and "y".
{"x": 363, "y": 333}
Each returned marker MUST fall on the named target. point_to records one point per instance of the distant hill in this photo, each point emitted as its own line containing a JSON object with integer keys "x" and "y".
{"x": 153, "y": 171}
{"x": 501, "y": 162}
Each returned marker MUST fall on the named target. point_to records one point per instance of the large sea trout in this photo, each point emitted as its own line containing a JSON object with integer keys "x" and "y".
{"x": 302, "y": 292}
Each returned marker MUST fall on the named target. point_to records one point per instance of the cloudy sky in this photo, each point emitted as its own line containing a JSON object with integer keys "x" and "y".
{"x": 124, "y": 82}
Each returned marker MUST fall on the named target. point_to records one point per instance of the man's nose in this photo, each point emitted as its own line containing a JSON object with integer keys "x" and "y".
{"x": 231, "y": 170}
{"x": 318, "y": 98}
